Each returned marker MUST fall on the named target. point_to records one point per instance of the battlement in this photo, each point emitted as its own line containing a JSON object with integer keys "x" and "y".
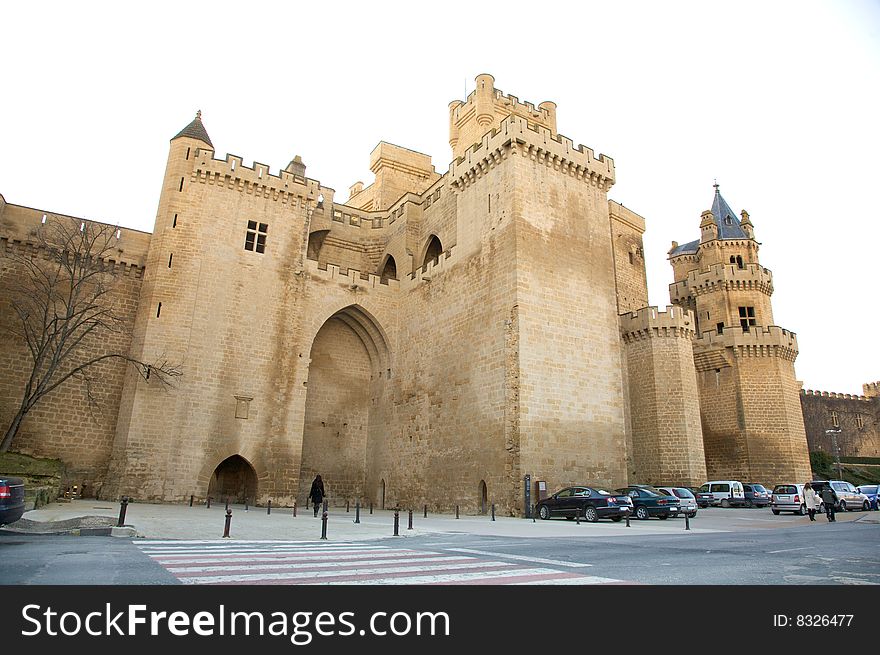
{"x": 649, "y": 322}
{"x": 516, "y": 135}
{"x": 831, "y": 394}
{"x": 758, "y": 341}
{"x": 726, "y": 277}
{"x": 353, "y": 279}
{"x": 871, "y": 389}
{"x": 257, "y": 179}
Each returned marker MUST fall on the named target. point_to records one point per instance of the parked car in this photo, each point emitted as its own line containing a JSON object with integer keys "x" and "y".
{"x": 757, "y": 495}
{"x": 11, "y": 499}
{"x": 870, "y": 491}
{"x": 686, "y": 498}
{"x": 727, "y": 493}
{"x": 589, "y": 502}
{"x": 704, "y": 498}
{"x": 788, "y": 498}
{"x": 848, "y": 497}
{"x": 648, "y": 502}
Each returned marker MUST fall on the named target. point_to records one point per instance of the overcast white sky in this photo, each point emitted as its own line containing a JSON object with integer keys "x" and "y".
{"x": 777, "y": 100}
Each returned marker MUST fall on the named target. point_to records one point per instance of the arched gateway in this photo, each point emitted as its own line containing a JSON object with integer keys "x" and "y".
{"x": 344, "y": 426}
{"x": 235, "y": 479}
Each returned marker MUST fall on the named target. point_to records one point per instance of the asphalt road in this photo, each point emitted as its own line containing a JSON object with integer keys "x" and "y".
{"x": 755, "y": 550}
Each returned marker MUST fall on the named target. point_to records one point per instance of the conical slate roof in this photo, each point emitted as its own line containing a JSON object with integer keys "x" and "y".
{"x": 195, "y": 130}
{"x": 725, "y": 219}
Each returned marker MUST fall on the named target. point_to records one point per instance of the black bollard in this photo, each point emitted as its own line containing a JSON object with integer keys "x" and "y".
{"x": 209, "y": 502}
{"x": 371, "y": 508}
{"x": 346, "y": 507}
{"x": 687, "y": 522}
{"x": 426, "y": 511}
{"x": 324, "y": 524}
{"x": 190, "y": 501}
{"x": 294, "y": 508}
{"x": 122, "y": 507}
{"x": 627, "y": 519}
{"x": 493, "y": 511}
{"x": 409, "y": 527}
{"x": 396, "y": 521}
{"x": 456, "y": 511}
{"x": 245, "y": 504}
{"x": 534, "y": 511}
{"x": 577, "y": 516}
{"x": 357, "y": 511}
{"x": 269, "y": 507}
{"x": 228, "y": 521}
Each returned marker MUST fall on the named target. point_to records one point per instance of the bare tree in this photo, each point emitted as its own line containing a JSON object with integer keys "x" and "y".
{"x": 61, "y": 295}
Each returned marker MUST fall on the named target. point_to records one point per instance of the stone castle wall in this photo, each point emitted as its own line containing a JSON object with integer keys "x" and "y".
{"x": 857, "y": 417}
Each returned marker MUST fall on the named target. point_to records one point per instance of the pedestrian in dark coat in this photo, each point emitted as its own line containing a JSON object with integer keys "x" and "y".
{"x": 829, "y": 497}
{"x": 316, "y": 493}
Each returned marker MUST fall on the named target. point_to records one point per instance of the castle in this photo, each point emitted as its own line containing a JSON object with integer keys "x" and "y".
{"x": 434, "y": 340}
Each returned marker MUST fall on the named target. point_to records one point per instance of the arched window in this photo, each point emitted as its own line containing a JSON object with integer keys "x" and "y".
{"x": 433, "y": 252}
{"x": 389, "y": 270}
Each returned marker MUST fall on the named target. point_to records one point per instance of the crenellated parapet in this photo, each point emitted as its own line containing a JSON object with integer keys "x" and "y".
{"x": 832, "y": 394}
{"x": 871, "y": 389}
{"x": 722, "y": 277}
{"x": 287, "y": 187}
{"x": 650, "y": 323}
{"x": 772, "y": 341}
{"x": 351, "y": 278}
{"x": 517, "y": 136}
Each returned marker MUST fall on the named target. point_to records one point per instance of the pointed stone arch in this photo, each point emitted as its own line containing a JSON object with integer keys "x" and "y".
{"x": 316, "y": 242}
{"x": 388, "y": 269}
{"x": 234, "y": 479}
{"x": 432, "y": 251}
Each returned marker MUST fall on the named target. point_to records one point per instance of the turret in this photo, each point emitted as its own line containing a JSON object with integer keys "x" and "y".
{"x": 746, "y": 224}
{"x": 485, "y": 99}
{"x": 708, "y": 229}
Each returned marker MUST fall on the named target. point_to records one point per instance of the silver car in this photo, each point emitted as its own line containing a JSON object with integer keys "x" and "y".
{"x": 686, "y": 496}
{"x": 788, "y": 498}
{"x": 848, "y": 497}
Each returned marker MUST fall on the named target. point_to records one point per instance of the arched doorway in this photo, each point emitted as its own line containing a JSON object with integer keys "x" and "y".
{"x": 484, "y": 497}
{"x": 348, "y": 367}
{"x": 235, "y": 479}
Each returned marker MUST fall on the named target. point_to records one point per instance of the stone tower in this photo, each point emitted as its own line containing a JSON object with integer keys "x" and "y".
{"x": 753, "y": 428}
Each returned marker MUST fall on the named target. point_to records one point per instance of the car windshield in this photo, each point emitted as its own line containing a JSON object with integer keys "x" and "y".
{"x": 683, "y": 493}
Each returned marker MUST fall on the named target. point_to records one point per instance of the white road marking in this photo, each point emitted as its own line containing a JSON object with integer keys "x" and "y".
{"x": 522, "y": 558}
{"x": 786, "y": 550}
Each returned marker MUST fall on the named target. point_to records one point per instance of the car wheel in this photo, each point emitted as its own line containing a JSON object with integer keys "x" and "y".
{"x": 802, "y": 510}
{"x": 616, "y": 519}
{"x": 748, "y": 503}
{"x": 591, "y": 515}
{"x": 642, "y": 512}
{"x": 843, "y": 506}
{"x": 866, "y": 506}
{"x": 725, "y": 503}
{"x": 775, "y": 512}
{"x": 544, "y": 512}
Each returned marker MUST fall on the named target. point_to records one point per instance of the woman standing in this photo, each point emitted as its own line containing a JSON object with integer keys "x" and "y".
{"x": 811, "y": 500}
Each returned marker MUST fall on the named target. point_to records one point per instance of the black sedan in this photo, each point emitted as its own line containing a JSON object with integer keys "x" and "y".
{"x": 648, "y": 503}
{"x": 11, "y": 499}
{"x": 588, "y": 502}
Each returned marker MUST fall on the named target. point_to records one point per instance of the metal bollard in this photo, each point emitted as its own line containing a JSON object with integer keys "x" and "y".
{"x": 371, "y": 508}
{"x": 190, "y": 501}
{"x": 294, "y": 508}
{"x": 245, "y": 504}
{"x": 324, "y": 524}
{"x": 426, "y": 511}
{"x": 409, "y": 527}
{"x": 456, "y": 511}
{"x": 346, "y": 506}
{"x": 122, "y": 507}
{"x": 396, "y": 521}
{"x": 228, "y": 521}
{"x": 534, "y": 511}
{"x": 687, "y": 522}
{"x": 627, "y": 519}
{"x": 577, "y": 516}
{"x": 209, "y": 502}
{"x": 269, "y": 507}
{"x": 357, "y": 511}
{"x": 493, "y": 511}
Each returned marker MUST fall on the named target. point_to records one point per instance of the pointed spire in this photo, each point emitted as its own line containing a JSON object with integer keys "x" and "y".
{"x": 195, "y": 130}
{"x": 725, "y": 219}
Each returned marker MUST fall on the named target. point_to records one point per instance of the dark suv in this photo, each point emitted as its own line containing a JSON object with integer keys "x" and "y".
{"x": 11, "y": 499}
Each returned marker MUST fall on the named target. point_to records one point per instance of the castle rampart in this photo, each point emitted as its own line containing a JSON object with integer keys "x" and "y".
{"x": 722, "y": 277}
{"x": 771, "y": 341}
{"x": 649, "y": 322}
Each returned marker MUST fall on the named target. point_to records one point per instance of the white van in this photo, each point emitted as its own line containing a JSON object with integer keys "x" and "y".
{"x": 726, "y": 493}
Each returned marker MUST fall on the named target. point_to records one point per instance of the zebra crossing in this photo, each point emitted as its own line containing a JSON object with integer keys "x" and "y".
{"x": 306, "y": 563}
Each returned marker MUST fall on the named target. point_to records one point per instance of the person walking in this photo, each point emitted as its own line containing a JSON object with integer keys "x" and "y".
{"x": 829, "y": 497}
{"x": 811, "y": 500}
{"x": 316, "y": 493}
